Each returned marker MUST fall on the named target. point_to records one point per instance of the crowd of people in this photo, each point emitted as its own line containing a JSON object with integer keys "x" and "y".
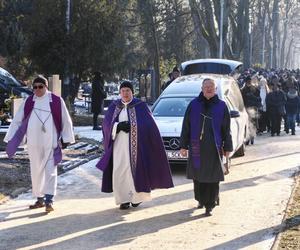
{"x": 270, "y": 97}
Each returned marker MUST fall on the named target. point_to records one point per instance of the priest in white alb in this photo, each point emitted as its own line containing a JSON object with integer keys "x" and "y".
{"x": 44, "y": 123}
{"x": 134, "y": 160}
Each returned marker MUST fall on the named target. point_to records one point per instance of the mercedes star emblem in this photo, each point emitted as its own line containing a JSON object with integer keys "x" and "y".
{"x": 174, "y": 143}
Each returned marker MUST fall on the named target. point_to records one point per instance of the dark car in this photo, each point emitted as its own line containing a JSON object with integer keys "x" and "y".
{"x": 11, "y": 86}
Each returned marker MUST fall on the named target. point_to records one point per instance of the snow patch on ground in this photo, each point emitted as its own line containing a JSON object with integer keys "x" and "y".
{"x": 88, "y": 132}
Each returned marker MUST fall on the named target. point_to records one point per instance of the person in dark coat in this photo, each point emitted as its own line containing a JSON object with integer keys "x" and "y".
{"x": 276, "y": 108}
{"x": 292, "y": 109}
{"x": 252, "y": 101}
{"x": 98, "y": 95}
{"x": 173, "y": 75}
{"x": 206, "y": 138}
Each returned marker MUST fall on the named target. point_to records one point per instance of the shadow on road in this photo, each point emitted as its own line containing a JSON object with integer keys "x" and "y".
{"x": 58, "y": 228}
{"x": 255, "y": 237}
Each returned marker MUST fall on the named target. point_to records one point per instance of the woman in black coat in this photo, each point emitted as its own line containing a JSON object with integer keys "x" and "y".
{"x": 98, "y": 95}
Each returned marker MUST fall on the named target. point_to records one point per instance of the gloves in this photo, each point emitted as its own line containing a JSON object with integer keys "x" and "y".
{"x": 124, "y": 126}
{"x": 64, "y": 144}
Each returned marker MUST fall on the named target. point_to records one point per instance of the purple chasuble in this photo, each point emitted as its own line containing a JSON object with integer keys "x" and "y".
{"x": 196, "y": 121}
{"x": 149, "y": 164}
{"x": 55, "y": 106}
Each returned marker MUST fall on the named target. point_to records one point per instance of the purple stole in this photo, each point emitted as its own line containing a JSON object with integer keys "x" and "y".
{"x": 55, "y": 106}
{"x": 196, "y": 121}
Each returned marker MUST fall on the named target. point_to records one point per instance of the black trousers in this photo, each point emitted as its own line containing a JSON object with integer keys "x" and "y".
{"x": 206, "y": 194}
{"x": 95, "y": 119}
{"x": 275, "y": 123}
{"x": 263, "y": 122}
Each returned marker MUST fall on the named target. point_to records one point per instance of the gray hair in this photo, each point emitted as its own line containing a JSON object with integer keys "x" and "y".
{"x": 208, "y": 79}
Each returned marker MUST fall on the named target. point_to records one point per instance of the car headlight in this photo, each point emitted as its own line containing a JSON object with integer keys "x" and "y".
{"x": 24, "y": 95}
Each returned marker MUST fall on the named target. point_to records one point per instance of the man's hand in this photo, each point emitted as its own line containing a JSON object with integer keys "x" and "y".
{"x": 183, "y": 152}
{"x": 227, "y": 163}
{"x": 226, "y": 166}
{"x": 226, "y": 154}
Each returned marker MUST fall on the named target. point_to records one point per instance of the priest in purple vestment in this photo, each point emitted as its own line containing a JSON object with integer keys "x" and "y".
{"x": 134, "y": 160}
{"x": 44, "y": 123}
{"x": 206, "y": 137}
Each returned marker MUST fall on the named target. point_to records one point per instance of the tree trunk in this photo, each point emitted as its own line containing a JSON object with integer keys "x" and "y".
{"x": 246, "y": 50}
{"x": 201, "y": 42}
{"x": 275, "y": 18}
{"x": 288, "y": 55}
{"x": 285, "y": 25}
{"x": 157, "y": 86}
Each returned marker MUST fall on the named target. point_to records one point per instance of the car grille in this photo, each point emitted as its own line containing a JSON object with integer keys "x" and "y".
{"x": 171, "y": 143}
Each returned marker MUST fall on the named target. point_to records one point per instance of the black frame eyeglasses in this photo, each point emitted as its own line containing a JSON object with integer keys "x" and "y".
{"x": 38, "y": 87}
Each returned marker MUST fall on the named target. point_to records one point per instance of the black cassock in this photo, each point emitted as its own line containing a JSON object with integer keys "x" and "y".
{"x": 207, "y": 177}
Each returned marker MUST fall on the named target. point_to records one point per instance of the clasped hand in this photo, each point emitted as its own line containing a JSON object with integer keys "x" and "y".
{"x": 124, "y": 126}
{"x": 64, "y": 144}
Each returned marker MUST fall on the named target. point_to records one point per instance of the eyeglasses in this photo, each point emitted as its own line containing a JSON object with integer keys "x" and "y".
{"x": 38, "y": 87}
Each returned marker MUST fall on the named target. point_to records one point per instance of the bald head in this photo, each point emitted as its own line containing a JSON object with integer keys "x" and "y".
{"x": 208, "y": 88}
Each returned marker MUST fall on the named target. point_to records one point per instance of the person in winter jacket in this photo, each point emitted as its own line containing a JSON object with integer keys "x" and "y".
{"x": 292, "y": 109}
{"x": 276, "y": 108}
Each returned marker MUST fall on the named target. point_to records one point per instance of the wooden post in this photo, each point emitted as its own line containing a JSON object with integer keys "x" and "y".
{"x": 15, "y": 105}
{"x": 55, "y": 84}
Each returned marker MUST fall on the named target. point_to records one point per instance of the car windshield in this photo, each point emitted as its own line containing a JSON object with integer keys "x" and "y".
{"x": 8, "y": 79}
{"x": 213, "y": 68}
{"x": 13, "y": 82}
{"x": 172, "y": 107}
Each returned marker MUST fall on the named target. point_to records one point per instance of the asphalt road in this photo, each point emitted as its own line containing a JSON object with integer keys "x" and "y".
{"x": 252, "y": 206}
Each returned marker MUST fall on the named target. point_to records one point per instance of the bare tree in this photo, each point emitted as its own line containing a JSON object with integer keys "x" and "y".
{"x": 275, "y": 17}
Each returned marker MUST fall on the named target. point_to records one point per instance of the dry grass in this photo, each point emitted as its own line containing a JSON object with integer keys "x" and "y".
{"x": 290, "y": 237}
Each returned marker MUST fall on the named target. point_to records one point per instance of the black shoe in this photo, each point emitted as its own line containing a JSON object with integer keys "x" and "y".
{"x": 37, "y": 204}
{"x": 135, "y": 204}
{"x": 200, "y": 205}
{"x": 208, "y": 212}
{"x": 218, "y": 202}
{"x": 96, "y": 128}
{"x": 272, "y": 135}
{"x": 278, "y": 134}
{"x": 124, "y": 206}
{"x": 49, "y": 208}
{"x": 293, "y": 133}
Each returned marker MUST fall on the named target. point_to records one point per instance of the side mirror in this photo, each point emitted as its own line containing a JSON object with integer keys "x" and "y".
{"x": 234, "y": 113}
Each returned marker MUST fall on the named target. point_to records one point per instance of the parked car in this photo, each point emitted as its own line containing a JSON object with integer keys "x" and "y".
{"x": 86, "y": 87}
{"x": 170, "y": 107}
{"x": 11, "y": 86}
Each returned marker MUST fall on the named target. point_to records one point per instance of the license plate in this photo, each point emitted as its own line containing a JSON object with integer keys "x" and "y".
{"x": 175, "y": 155}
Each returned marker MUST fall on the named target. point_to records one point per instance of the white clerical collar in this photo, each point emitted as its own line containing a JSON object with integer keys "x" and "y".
{"x": 126, "y": 103}
{"x": 41, "y": 97}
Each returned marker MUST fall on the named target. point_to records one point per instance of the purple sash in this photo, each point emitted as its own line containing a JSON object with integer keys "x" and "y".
{"x": 196, "y": 121}
{"x": 55, "y": 106}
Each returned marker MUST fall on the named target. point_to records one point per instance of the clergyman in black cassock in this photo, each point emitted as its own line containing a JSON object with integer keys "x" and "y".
{"x": 206, "y": 138}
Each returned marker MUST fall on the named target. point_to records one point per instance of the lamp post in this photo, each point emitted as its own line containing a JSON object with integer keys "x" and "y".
{"x": 221, "y": 29}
